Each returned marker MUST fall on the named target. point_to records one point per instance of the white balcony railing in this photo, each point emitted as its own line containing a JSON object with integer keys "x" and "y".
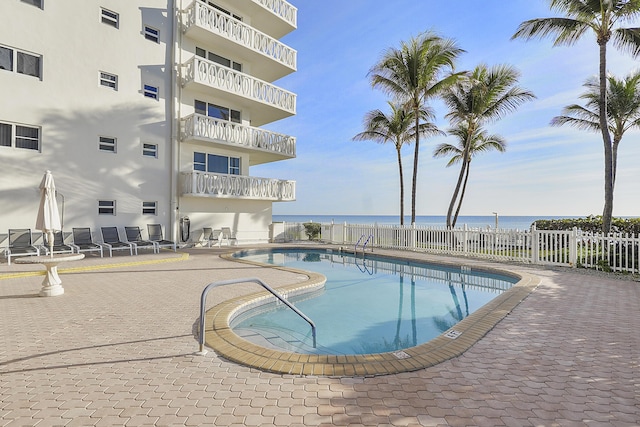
{"x": 214, "y": 75}
{"x": 282, "y": 9}
{"x": 197, "y": 126}
{"x": 209, "y": 184}
{"x": 237, "y": 31}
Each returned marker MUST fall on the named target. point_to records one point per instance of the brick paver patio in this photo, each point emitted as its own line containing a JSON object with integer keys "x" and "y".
{"x": 118, "y": 349}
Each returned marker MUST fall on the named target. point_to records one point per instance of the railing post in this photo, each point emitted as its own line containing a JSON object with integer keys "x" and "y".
{"x": 535, "y": 245}
{"x": 414, "y": 237}
{"x": 573, "y": 247}
{"x": 344, "y": 233}
{"x": 465, "y": 244}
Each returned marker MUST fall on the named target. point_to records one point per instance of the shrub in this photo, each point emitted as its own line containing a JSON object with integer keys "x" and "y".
{"x": 592, "y": 224}
{"x": 312, "y": 230}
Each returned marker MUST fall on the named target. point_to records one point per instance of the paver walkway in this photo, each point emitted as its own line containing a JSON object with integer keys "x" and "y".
{"x": 118, "y": 349}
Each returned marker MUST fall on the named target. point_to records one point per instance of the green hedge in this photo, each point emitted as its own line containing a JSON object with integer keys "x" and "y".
{"x": 590, "y": 224}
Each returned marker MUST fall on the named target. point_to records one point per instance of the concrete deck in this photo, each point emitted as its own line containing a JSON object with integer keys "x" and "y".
{"x": 118, "y": 348}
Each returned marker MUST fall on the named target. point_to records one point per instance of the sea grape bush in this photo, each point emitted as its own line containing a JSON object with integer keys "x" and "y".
{"x": 312, "y": 230}
{"x": 590, "y": 224}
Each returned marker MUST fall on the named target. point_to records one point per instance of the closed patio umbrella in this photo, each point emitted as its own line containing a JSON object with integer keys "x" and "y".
{"x": 48, "y": 219}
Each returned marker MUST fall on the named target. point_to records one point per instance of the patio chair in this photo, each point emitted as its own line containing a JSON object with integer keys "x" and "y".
{"x": 83, "y": 242}
{"x": 134, "y": 235}
{"x": 59, "y": 246}
{"x": 155, "y": 235}
{"x": 228, "y": 235}
{"x": 20, "y": 244}
{"x": 111, "y": 240}
{"x": 210, "y": 237}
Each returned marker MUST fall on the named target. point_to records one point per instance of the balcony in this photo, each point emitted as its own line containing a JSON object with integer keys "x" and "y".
{"x": 264, "y": 146}
{"x": 266, "y": 102}
{"x": 270, "y": 59}
{"x": 216, "y": 185}
{"x": 274, "y": 17}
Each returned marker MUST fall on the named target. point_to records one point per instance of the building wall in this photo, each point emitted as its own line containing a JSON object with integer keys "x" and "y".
{"x": 73, "y": 110}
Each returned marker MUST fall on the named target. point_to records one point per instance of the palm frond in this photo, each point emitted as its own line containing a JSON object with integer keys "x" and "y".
{"x": 627, "y": 40}
{"x": 564, "y": 31}
{"x": 578, "y": 123}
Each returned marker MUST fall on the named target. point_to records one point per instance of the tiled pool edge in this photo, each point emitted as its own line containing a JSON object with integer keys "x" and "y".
{"x": 470, "y": 330}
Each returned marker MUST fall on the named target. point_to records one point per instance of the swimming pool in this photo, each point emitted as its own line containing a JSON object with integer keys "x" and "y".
{"x": 370, "y": 305}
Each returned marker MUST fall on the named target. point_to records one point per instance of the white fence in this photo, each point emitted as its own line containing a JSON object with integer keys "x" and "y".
{"x": 574, "y": 248}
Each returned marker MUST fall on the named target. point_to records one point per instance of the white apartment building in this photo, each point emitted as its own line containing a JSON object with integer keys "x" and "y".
{"x": 145, "y": 111}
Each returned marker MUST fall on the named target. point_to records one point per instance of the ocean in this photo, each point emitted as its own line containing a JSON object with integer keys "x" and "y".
{"x": 504, "y": 222}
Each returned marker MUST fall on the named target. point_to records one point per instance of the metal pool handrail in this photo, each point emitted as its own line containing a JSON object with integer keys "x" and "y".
{"x": 364, "y": 246}
{"x": 282, "y": 299}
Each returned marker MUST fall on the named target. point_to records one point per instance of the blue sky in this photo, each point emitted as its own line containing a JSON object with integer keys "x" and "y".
{"x": 545, "y": 171}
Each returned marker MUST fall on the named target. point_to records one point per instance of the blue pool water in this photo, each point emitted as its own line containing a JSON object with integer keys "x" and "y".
{"x": 369, "y": 305}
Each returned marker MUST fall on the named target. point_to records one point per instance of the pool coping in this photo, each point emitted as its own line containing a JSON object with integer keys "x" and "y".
{"x": 450, "y": 344}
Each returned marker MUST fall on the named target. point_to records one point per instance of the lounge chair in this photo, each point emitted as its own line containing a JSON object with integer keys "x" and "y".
{"x": 59, "y": 247}
{"x": 210, "y": 237}
{"x": 134, "y": 235}
{"x": 83, "y": 242}
{"x": 111, "y": 240}
{"x": 228, "y": 235}
{"x": 155, "y": 235}
{"x": 20, "y": 244}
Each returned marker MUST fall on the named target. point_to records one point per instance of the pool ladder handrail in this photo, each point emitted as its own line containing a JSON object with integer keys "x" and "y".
{"x": 282, "y": 299}
{"x": 364, "y": 246}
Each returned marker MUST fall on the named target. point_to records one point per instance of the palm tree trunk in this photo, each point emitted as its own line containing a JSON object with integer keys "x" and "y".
{"x": 614, "y": 162}
{"x": 465, "y": 159}
{"x": 606, "y": 139}
{"x": 464, "y": 189}
{"x": 401, "y": 185}
{"x": 415, "y": 167}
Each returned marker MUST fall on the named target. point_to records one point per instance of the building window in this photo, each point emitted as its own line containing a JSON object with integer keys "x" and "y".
{"x": 109, "y": 80}
{"x": 152, "y": 34}
{"x": 218, "y": 59}
{"x": 106, "y": 207}
{"x": 6, "y": 58}
{"x": 149, "y": 208}
{"x": 217, "y": 111}
{"x": 26, "y": 63}
{"x": 217, "y": 164}
{"x": 110, "y": 18}
{"x": 5, "y": 134}
{"x": 27, "y": 137}
{"x": 19, "y": 136}
{"x": 37, "y": 3}
{"x": 107, "y": 143}
{"x": 150, "y": 150}
{"x": 151, "y": 91}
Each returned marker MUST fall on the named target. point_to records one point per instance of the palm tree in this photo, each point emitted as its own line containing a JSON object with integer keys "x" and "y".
{"x": 602, "y": 17}
{"x": 414, "y": 73}
{"x": 623, "y": 109}
{"x": 397, "y": 127}
{"x": 479, "y": 142}
{"x": 482, "y": 97}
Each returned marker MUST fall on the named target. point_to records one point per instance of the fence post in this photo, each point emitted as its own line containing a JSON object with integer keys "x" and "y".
{"x": 465, "y": 242}
{"x": 573, "y": 247}
{"x": 344, "y": 233}
{"x": 333, "y": 241}
{"x": 413, "y": 236}
{"x": 535, "y": 244}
